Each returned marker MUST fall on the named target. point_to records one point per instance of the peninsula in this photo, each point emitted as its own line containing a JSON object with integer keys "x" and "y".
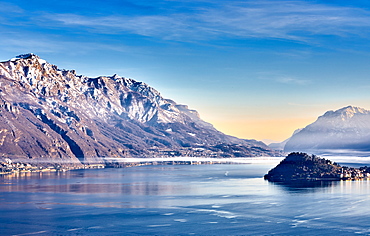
{"x": 303, "y": 167}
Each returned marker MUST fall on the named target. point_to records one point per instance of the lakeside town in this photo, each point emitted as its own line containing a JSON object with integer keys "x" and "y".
{"x": 9, "y": 167}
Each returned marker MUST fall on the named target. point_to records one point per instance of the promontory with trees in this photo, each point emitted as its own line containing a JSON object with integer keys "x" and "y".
{"x": 303, "y": 167}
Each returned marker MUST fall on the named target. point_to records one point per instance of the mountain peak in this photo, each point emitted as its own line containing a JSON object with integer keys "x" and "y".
{"x": 27, "y": 56}
{"x": 346, "y": 112}
{"x": 352, "y": 109}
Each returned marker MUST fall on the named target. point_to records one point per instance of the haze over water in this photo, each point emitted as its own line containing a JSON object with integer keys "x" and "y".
{"x": 222, "y": 199}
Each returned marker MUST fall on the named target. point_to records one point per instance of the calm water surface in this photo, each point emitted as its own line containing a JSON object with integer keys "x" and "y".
{"x": 179, "y": 200}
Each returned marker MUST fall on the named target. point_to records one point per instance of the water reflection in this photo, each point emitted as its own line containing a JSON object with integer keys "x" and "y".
{"x": 147, "y": 189}
{"x": 84, "y": 182}
{"x": 34, "y": 175}
{"x": 306, "y": 186}
{"x": 126, "y": 189}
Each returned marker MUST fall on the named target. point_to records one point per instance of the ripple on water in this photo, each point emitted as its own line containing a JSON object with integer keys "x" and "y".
{"x": 155, "y": 226}
{"x": 181, "y": 220}
{"x": 223, "y": 214}
{"x": 168, "y": 214}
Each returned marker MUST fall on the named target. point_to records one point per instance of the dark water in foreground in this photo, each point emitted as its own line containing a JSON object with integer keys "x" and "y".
{"x": 179, "y": 200}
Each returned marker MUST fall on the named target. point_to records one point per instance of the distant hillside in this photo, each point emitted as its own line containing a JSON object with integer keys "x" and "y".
{"x": 280, "y": 146}
{"x": 343, "y": 131}
{"x": 51, "y": 114}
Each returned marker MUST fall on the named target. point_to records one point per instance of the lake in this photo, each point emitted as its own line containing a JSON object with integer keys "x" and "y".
{"x": 225, "y": 199}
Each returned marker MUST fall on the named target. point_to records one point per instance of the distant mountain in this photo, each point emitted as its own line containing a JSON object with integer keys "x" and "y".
{"x": 51, "y": 114}
{"x": 345, "y": 131}
{"x": 280, "y": 146}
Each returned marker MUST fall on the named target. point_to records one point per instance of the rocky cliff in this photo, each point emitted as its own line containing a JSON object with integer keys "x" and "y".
{"x": 51, "y": 114}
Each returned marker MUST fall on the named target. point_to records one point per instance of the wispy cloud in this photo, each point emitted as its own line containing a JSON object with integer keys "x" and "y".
{"x": 48, "y": 44}
{"x": 291, "y": 20}
{"x": 163, "y": 26}
{"x": 9, "y": 8}
{"x": 290, "y": 80}
{"x": 279, "y": 77}
{"x": 305, "y": 105}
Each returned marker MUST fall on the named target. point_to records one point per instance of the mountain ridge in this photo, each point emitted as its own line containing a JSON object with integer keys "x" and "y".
{"x": 55, "y": 114}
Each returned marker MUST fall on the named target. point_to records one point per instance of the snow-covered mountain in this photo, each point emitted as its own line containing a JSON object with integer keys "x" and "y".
{"x": 53, "y": 114}
{"x": 342, "y": 131}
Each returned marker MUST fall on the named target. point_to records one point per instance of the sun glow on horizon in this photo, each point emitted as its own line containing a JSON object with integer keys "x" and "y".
{"x": 274, "y": 129}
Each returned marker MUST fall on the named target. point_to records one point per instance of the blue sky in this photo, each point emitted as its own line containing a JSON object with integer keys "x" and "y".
{"x": 254, "y": 69}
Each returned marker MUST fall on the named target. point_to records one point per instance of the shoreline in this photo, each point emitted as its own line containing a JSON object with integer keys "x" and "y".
{"x": 9, "y": 167}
